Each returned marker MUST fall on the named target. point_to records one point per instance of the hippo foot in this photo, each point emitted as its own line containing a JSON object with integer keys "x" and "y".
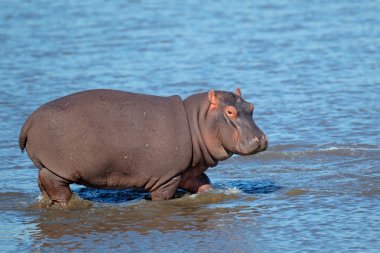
{"x": 204, "y": 188}
{"x": 196, "y": 184}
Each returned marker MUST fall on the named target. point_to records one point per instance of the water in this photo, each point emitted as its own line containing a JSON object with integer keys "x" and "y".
{"x": 310, "y": 67}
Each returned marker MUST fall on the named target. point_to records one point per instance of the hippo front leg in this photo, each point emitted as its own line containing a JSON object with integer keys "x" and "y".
{"x": 196, "y": 184}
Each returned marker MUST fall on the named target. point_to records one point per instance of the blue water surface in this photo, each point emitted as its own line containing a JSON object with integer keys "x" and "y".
{"x": 310, "y": 67}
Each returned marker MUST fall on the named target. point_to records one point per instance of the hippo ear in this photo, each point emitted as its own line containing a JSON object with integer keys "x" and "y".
{"x": 212, "y": 97}
{"x": 238, "y": 92}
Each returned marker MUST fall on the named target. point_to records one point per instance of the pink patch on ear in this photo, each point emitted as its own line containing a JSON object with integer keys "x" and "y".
{"x": 238, "y": 92}
{"x": 252, "y": 108}
{"x": 213, "y": 98}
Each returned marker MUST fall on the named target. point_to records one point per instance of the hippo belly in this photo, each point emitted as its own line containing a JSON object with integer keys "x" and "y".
{"x": 111, "y": 139}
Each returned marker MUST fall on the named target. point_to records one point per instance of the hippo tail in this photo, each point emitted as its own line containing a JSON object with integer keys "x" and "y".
{"x": 22, "y": 139}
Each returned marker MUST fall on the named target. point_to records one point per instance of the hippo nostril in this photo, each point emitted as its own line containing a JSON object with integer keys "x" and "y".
{"x": 263, "y": 142}
{"x": 252, "y": 141}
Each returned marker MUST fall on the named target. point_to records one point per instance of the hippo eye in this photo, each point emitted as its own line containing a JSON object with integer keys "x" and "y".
{"x": 231, "y": 112}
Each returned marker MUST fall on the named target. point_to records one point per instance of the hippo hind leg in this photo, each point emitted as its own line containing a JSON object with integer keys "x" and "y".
{"x": 55, "y": 187}
{"x": 167, "y": 190}
{"x": 43, "y": 193}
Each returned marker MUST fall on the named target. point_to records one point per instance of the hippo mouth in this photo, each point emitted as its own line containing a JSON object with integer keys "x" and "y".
{"x": 252, "y": 145}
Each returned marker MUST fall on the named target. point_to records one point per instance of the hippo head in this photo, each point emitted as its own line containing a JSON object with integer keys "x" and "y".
{"x": 229, "y": 127}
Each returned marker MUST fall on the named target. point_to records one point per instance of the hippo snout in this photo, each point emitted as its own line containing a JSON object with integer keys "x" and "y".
{"x": 252, "y": 145}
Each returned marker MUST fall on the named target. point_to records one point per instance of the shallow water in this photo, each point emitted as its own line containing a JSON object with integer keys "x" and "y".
{"x": 310, "y": 67}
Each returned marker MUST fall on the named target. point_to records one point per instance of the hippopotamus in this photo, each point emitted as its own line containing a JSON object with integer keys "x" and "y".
{"x": 117, "y": 140}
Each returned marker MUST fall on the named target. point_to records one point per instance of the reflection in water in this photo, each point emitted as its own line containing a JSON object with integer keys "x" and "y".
{"x": 92, "y": 212}
{"x": 120, "y": 196}
{"x": 204, "y": 212}
{"x": 112, "y": 213}
{"x": 111, "y": 196}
